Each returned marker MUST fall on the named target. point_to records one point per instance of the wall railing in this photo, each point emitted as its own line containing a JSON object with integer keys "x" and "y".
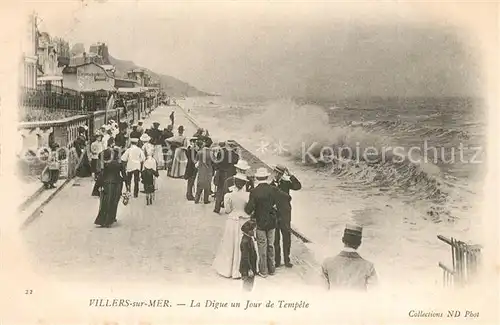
{"x": 466, "y": 260}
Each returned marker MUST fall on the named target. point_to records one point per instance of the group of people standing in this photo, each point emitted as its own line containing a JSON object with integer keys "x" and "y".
{"x": 139, "y": 155}
{"x": 257, "y": 204}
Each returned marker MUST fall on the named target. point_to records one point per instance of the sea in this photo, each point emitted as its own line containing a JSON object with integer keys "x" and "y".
{"x": 406, "y": 169}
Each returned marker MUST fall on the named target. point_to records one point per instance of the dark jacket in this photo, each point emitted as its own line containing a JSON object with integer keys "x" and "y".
{"x": 113, "y": 173}
{"x": 285, "y": 186}
{"x": 191, "y": 161}
{"x": 225, "y": 159}
{"x": 284, "y": 207}
{"x": 248, "y": 260}
{"x": 121, "y": 140}
{"x": 135, "y": 134}
{"x": 262, "y": 205}
{"x": 147, "y": 175}
{"x": 156, "y": 136}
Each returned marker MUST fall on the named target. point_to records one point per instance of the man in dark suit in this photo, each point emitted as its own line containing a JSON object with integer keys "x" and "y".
{"x": 191, "y": 170}
{"x": 261, "y": 206}
{"x": 285, "y": 182}
{"x": 226, "y": 158}
{"x": 121, "y": 138}
{"x": 135, "y": 133}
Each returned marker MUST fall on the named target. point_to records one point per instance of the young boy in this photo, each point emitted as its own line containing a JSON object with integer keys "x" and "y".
{"x": 248, "y": 261}
{"x": 148, "y": 174}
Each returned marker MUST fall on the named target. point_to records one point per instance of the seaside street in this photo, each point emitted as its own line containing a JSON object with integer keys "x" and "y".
{"x": 174, "y": 240}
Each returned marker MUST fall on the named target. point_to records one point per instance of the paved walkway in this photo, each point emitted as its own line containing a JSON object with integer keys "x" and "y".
{"x": 173, "y": 240}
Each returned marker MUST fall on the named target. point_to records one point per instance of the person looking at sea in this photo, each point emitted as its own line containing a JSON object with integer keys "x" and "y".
{"x": 285, "y": 181}
{"x": 348, "y": 270}
{"x": 261, "y": 206}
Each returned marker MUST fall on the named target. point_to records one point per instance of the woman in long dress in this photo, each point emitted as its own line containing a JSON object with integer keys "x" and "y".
{"x": 179, "y": 162}
{"x": 111, "y": 182}
{"x": 227, "y": 260}
{"x": 80, "y": 144}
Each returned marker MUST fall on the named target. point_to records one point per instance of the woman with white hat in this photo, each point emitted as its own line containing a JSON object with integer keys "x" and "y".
{"x": 242, "y": 167}
{"x": 227, "y": 259}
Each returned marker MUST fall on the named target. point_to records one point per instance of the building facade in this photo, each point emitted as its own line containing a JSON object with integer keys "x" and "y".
{"x": 49, "y": 69}
{"x": 87, "y": 77}
{"x": 140, "y": 76}
{"x": 28, "y": 78}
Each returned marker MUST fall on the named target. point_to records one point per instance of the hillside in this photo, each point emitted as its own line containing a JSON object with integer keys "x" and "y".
{"x": 172, "y": 86}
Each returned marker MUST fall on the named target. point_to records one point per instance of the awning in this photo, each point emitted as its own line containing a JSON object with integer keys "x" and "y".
{"x": 130, "y": 90}
{"x": 92, "y": 90}
{"x": 50, "y": 78}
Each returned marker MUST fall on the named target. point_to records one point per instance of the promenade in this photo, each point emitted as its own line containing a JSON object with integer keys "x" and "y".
{"x": 172, "y": 241}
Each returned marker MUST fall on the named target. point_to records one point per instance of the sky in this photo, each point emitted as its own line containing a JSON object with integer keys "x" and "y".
{"x": 285, "y": 49}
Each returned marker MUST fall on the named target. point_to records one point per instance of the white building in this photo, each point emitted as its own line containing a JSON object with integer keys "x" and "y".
{"x": 28, "y": 78}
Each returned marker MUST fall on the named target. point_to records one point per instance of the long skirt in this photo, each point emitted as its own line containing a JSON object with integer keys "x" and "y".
{"x": 179, "y": 164}
{"x": 227, "y": 260}
{"x": 110, "y": 198}
{"x": 158, "y": 155}
{"x": 84, "y": 169}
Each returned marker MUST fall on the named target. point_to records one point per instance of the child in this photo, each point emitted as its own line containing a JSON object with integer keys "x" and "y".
{"x": 148, "y": 174}
{"x": 54, "y": 166}
{"x": 248, "y": 261}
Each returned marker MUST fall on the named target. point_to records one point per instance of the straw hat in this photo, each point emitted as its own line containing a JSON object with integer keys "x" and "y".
{"x": 145, "y": 138}
{"x": 262, "y": 173}
{"x": 240, "y": 176}
{"x": 242, "y": 164}
{"x": 134, "y": 140}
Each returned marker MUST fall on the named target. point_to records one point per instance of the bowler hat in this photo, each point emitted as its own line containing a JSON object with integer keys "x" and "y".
{"x": 280, "y": 168}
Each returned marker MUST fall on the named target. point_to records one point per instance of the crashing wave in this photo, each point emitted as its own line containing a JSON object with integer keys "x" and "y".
{"x": 354, "y": 154}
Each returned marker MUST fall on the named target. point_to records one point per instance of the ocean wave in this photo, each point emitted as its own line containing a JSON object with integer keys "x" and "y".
{"x": 304, "y": 132}
{"x": 404, "y": 126}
